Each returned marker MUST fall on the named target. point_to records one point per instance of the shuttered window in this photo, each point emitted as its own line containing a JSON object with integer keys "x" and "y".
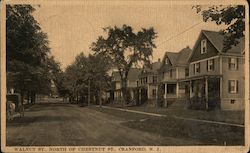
{"x": 197, "y": 68}
{"x": 210, "y": 65}
{"x": 171, "y": 73}
{"x": 233, "y": 86}
{"x": 233, "y": 63}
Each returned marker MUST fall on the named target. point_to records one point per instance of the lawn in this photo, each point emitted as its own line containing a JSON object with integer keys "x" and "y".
{"x": 235, "y": 117}
{"x": 210, "y": 134}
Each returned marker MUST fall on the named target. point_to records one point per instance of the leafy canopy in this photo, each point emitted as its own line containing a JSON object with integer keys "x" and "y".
{"x": 233, "y": 16}
{"x": 125, "y": 48}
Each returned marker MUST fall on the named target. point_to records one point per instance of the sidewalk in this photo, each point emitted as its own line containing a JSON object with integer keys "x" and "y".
{"x": 174, "y": 116}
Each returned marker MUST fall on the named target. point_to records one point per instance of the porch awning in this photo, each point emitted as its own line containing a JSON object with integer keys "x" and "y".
{"x": 199, "y": 77}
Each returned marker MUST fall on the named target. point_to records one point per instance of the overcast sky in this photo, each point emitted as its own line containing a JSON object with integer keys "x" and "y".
{"x": 72, "y": 28}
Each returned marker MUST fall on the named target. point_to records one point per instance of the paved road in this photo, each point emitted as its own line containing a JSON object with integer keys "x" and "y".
{"x": 66, "y": 124}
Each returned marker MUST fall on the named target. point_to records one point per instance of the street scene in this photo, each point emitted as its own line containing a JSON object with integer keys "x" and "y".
{"x": 160, "y": 75}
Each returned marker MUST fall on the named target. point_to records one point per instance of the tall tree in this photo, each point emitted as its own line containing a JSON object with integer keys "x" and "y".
{"x": 125, "y": 49}
{"x": 93, "y": 68}
{"x": 27, "y": 52}
{"x": 233, "y": 16}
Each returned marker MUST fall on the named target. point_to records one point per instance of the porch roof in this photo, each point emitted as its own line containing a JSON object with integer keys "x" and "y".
{"x": 200, "y": 77}
{"x": 169, "y": 81}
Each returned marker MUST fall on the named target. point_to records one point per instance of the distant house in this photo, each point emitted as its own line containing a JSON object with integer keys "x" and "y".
{"x": 116, "y": 94}
{"x": 148, "y": 82}
{"x": 173, "y": 68}
{"x": 216, "y": 78}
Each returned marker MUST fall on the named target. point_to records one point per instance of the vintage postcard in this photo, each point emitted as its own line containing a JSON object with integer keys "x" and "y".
{"x": 124, "y": 76}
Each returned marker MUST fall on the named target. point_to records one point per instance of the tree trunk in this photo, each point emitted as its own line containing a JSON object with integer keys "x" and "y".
{"x": 28, "y": 97}
{"x": 33, "y": 97}
{"x": 124, "y": 92}
{"x": 22, "y": 96}
{"x": 100, "y": 99}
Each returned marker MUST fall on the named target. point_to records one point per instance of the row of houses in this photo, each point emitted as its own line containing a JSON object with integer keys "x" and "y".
{"x": 202, "y": 77}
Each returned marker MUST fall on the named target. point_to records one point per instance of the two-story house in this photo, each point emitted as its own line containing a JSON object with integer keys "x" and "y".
{"x": 148, "y": 83}
{"x": 216, "y": 77}
{"x": 173, "y": 68}
{"x": 116, "y": 93}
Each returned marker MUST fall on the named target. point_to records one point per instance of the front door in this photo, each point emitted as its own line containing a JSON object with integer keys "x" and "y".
{"x": 213, "y": 93}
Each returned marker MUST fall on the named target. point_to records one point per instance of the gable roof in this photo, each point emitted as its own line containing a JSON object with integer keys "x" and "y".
{"x": 216, "y": 38}
{"x": 172, "y": 57}
{"x": 183, "y": 56}
{"x": 132, "y": 75}
{"x": 151, "y": 70}
{"x": 176, "y": 58}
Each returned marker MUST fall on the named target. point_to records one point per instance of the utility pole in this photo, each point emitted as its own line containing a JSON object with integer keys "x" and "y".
{"x": 88, "y": 91}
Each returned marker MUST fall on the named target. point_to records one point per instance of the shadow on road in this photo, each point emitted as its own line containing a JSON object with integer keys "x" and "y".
{"x": 25, "y": 121}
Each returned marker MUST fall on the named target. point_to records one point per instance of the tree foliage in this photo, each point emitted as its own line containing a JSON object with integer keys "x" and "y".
{"x": 125, "y": 48}
{"x": 233, "y": 16}
{"x": 93, "y": 68}
{"x": 29, "y": 67}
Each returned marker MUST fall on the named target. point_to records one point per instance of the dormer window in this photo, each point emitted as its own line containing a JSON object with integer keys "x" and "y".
{"x": 203, "y": 46}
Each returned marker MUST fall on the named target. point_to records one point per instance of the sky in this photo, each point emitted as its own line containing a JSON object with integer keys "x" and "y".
{"x": 72, "y": 28}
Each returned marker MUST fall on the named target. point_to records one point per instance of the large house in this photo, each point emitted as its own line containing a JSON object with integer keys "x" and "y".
{"x": 116, "y": 93}
{"x": 206, "y": 77}
{"x": 173, "y": 68}
{"x": 216, "y": 77}
{"x": 148, "y": 83}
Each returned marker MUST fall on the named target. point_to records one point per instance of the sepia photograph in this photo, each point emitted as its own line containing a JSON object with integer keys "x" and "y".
{"x": 124, "y": 76}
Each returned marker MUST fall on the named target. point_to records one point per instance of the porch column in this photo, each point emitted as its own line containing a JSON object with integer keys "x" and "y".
{"x": 165, "y": 100}
{"x": 140, "y": 96}
{"x": 221, "y": 88}
{"x": 177, "y": 89}
{"x": 190, "y": 89}
{"x": 206, "y": 91}
{"x": 156, "y": 93}
{"x": 148, "y": 92}
{"x": 165, "y": 92}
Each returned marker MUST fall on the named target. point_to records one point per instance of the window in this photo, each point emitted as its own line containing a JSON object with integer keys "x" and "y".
{"x": 233, "y": 86}
{"x": 171, "y": 73}
{"x": 233, "y": 63}
{"x": 210, "y": 65}
{"x": 197, "y": 68}
{"x": 154, "y": 92}
{"x": 203, "y": 46}
{"x": 145, "y": 80}
{"x": 154, "y": 79}
{"x": 186, "y": 72}
{"x": 166, "y": 61}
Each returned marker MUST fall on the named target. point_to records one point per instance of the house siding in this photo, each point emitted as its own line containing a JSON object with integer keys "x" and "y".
{"x": 211, "y": 51}
{"x": 203, "y": 67}
{"x": 167, "y": 75}
{"x": 181, "y": 72}
{"x": 228, "y": 74}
